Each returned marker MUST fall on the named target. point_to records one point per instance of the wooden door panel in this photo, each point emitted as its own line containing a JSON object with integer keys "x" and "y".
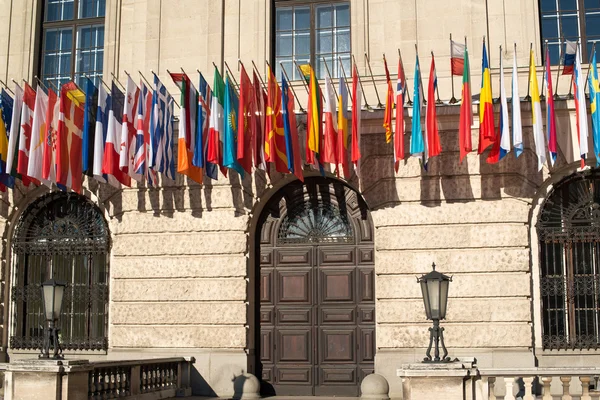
{"x": 336, "y": 256}
{"x": 294, "y": 257}
{"x": 266, "y": 315}
{"x": 266, "y": 345}
{"x": 365, "y": 256}
{"x": 266, "y": 287}
{"x": 294, "y": 316}
{"x": 366, "y": 345}
{"x": 366, "y": 315}
{"x": 366, "y": 285}
{"x": 337, "y": 315}
{"x": 337, "y": 286}
{"x": 294, "y": 345}
{"x": 294, "y": 286}
{"x": 337, "y": 346}
{"x": 295, "y": 375}
{"x": 337, "y": 376}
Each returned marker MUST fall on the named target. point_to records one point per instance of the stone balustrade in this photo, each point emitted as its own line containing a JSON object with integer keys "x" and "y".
{"x": 537, "y": 384}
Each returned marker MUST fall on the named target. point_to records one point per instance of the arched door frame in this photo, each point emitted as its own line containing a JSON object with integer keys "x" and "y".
{"x": 254, "y": 226}
{"x": 11, "y": 223}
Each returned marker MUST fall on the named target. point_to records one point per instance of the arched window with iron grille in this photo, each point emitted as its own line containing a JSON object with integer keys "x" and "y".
{"x": 569, "y": 243}
{"x": 62, "y": 236}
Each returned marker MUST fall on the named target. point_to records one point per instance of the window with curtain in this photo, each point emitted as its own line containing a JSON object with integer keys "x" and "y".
{"x": 569, "y": 20}
{"x": 312, "y": 31}
{"x": 73, "y": 40}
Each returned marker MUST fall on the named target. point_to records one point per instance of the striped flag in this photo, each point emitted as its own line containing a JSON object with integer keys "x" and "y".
{"x": 101, "y": 130}
{"x": 275, "y": 140}
{"x": 292, "y": 143}
{"x": 580, "y": 109}
{"x": 434, "y": 147}
{"x": 457, "y": 57}
{"x": 38, "y": 134}
{"x": 389, "y": 104}
{"x": 110, "y": 164}
{"x": 330, "y": 131}
{"x": 417, "y": 141}
{"x": 466, "y": 111}
{"x": 502, "y": 143}
{"x": 569, "y": 58}
{"x": 6, "y": 111}
{"x": 343, "y": 134}
{"x": 487, "y": 132}
{"x": 128, "y": 130}
{"x": 49, "y": 155}
{"x": 22, "y": 160}
{"x": 161, "y": 131}
{"x": 89, "y": 126}
{"x": 536, "y": 113}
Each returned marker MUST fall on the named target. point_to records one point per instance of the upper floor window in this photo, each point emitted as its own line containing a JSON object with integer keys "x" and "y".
{"x": 570, "y": 20}
{"x": 73, "y": 40}
{"x": 569, "y": 238}
{"x": 312, "y": 31}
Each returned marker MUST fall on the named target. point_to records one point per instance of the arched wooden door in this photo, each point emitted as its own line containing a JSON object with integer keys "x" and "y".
{"x": 316, "y": 296}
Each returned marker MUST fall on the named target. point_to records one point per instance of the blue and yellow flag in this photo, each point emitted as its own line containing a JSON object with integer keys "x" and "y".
{"x": 6, "y": 105}
{"x": 594, "y": 104}
{"x": 231, "y": 131}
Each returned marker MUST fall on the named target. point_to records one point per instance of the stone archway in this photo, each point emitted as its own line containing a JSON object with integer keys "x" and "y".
{"x": 315, "y": 306}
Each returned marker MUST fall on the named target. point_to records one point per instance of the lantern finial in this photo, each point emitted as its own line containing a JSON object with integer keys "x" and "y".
{"x": 433, "y": 266}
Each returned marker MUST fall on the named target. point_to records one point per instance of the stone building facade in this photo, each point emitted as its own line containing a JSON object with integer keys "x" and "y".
{"x": 203, "y": 270}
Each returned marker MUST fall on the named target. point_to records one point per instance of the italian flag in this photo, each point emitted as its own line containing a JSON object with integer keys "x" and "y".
{"x": 216, "y": 123}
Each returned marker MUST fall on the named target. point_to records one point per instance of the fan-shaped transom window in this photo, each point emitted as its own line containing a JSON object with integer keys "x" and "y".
{"x": 322, "y": 222}
{"x": 569, "y": 237}
{"x": 65, "y": 237}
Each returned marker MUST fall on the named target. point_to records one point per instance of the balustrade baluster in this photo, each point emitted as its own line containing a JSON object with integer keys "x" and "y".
{"x": 492, "y": 388}
{"x": 144, "y": 379}
{"x": 566, "y": 383}
{"x": 528, "y": 381}
{"x": 585, "y": 387}
{"x": 546, "y": 380}
{"x": 508, "y": 384}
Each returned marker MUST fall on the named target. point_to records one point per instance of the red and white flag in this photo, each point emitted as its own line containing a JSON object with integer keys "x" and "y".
{"x": 69, "y": 166}
{"x": 110, "y": 163}
{"x": 457, "y": 61}
{"x": 50, "y": 138}
{"x": 330, "y": 117}
{"x": 25, "y": 134}
{"x": 128, "y": 130}
{"x": 38, "y": 136}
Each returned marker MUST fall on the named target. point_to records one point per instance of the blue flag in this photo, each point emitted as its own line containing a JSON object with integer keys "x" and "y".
{"x": 287, "y": 131}
{"x": 89, "y": 126}
{"x": 417, "y": 144}
{"x": 6, "y": 105}
{"x": 230, "y": 136}
{"x": 203, "y": 115}
{"x": 161, "y": 131}
{"x": 594, "y": 106}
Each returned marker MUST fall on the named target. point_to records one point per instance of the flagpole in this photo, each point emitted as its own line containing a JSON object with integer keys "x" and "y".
{"x": 560, "y": 57}
{"x": 528, "y": 98}
{"x": 169, "y": 93}
{"x": 420, "y": 76}
{"x": 501, "y": 75}
{"x": 144, "y": 78}
{"x": 291, "y": 87}
{"x": 259, "y": 76}
{"x": 50, "y": 82}
{"x": 330, "y": 78}
{"x": 7, "y": 88}
{"x": 437, "y": 87}
{"x": 404, "y": 76}
{"x": 453, "y": 99}
{"x": 345, "y": 78}
{"x": 40, "y": 83}
{"x": 115, "y": 78}
{"x": 379, "y": 105}
{"x": 589, "y": 65}
{"x": 468, "y": 72}
{"x": 303, "y": 80}
{"x": 362, "y": 89}
{"x": 232, "y": 76}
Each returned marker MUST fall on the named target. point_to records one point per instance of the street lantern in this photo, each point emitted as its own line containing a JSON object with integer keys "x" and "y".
{"x": 434, "y": 287}
{"x": 52, "y": 298}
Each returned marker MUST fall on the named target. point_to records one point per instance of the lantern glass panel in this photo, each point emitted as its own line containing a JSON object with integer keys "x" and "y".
{"x": 426, "y": 298}
{"x": 433, "y": 290}
{"x": 444, "y": 298}
{"x": 48, "y": 291}
{"x": 59, "y": 291}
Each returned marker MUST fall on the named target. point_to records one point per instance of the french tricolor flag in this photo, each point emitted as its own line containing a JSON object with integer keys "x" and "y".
{"x": 569, "y": 59}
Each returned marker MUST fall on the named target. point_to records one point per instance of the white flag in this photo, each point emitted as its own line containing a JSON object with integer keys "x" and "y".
{"x": 517, "y": 126}
{"x": 38, "y": 135}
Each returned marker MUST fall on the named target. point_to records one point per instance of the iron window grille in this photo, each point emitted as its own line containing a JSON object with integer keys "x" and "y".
{"x": 72, "y": 41}
{"x": 65, "y": 237}
{"x": 308, "y": 31}
{"x": 569, "y": 237}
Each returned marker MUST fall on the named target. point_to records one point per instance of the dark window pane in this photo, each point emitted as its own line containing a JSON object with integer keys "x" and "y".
{"x": 592, "y": 24}
{"x": 591, "y": 4}
{"x": 548, "y": 5}
{"x": 283, "y": 44}
{"x": 550, "y": 28}
{"x": 59, "y": 10}
{"x": 302, "y": 43}
{"x": 324, "y": 42}
{"x": 283, "y": 19}
{"x": 92, "y": 8}
{"x": 324, "y": 16}
{"x": 568, "y": 5}
{"x": 570, "y": 26}
{"x": 343, "y": 40}
{"x": 342, "y": 15}
{"x": 554, "y": 50}
{"x": 302, "y": 18}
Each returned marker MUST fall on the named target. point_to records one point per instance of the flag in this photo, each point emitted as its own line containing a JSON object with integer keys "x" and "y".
{"x": 580, "y": 108}
{"x": 49, "y": 154}
{"x": 417, "y": 141}
{"x": 329, "y": 133}
{"x": 389, "y": 105}
{"x": 110, "y": 163}
{"x": 569, "y": 58}
{"x": 258, "y": 142}
{"x": 6, "y": 111}
{"x": 161, "y": 131}
{"x": 100, "y": 133}
{"x": 434, "y": 147}
{"x": 458, "y": 57}
{"x": 202, "y": 130}
{"x": 69, "y": 167}
{"x": 13, "y": 136}
{"x": 356, "y": 109}
{"x": 487, "y": 134}
{"x": 230, "y": 136}
{"x": 536, "y": 111}
{"x": 550, "y": 114}
{"x": 275, "y": 140}
{"x": 187, "y": 127}
{"x": 502, "y": 143}
{"x": 466, "y": 111}
{"x": 399, "y": 133}
{"x": 292, "y": 145}
{"x": 215, "y": 144}
{"x": 314, "y": 134}
{"x": 142, "y": 139}
{"x": 128, "y": 130}
{"x": 38, "y": 134}
{"x": 246, "y": 122}
{"x": 343, "y": 134}
{"x": 594, "y": 86}
{"x": 89, "y": 126}
{"x": 517, "y": 126}
{"x": 22, "y": 156}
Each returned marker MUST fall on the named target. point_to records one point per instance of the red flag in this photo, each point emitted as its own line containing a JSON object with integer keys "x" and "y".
{"x": 49, "y": 149}
{"x": 274, "y": 136}
{"x": 399, "y": 134}
{"x": 69, "y": 168}
{"x": 246, "y": 122}
{"x": 329, "y": 133}
{"x": 466, "y": 111}
{"x": 389, "y": 105}
{"x": 258, "y": 141}
{"x": 25, "y": 135}
{"x": 434, "y": 146}
{"x": 356, "y": 108}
